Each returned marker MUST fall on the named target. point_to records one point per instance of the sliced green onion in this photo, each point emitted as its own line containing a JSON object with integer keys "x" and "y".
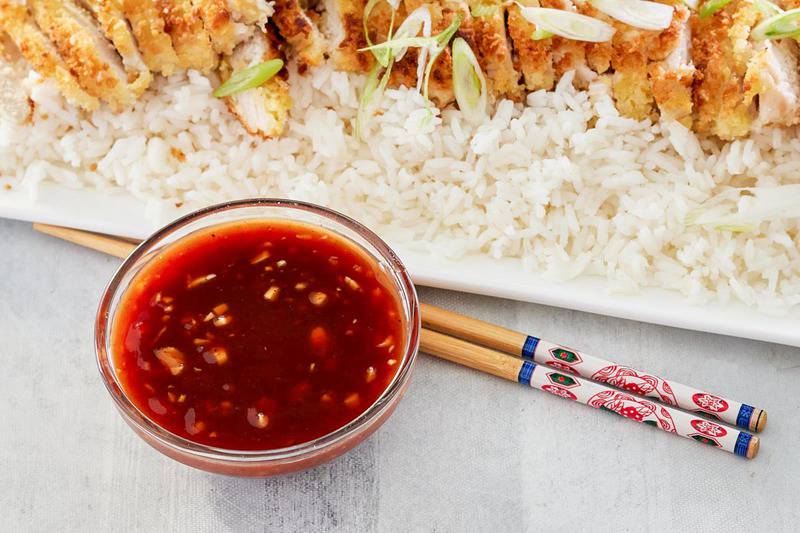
{"x": 710, "y": 7}
{"x": 484, "y": 10}
{"x": 539, "y": 34}
{"x": 741, "y": 210}
{"x": 249, "y": 78}
{"x": 381, "y": 55}
{"x": 402, "y": 42}
{"x": 417, "y": 21}
{"x": 640, "y": 14}
{"x": 568, "y": 24}
{"x": 786, "y": 24}
{"x": 469, "y": 84}
{"x": 441, "y": 43}
{"x": 767, "y": 8}
{"x": 371, "y": 96}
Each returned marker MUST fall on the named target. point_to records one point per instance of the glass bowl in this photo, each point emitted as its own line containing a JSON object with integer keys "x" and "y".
{"x": 281, "y": 460}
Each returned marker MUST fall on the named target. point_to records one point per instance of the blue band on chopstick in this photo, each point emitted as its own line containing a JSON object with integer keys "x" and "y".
{"x": 525, "y": 372}
{"x": 742, "y": 442}
{"x": 529, "y": 348}
{"x": 745, "y": 414}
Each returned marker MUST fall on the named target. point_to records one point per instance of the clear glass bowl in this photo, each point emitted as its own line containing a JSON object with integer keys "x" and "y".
{"x": 281, "y": 460}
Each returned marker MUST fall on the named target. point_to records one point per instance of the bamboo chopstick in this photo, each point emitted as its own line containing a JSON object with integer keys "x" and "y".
{"x": 587, "y": 366}
{"x": 587, "y": 392}
{"x": 102, "y": 243}
{"x": 523, "y": 370}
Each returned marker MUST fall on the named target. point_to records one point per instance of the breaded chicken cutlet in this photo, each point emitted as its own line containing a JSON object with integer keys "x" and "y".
{"x": 41, "y": 54}
{"x": 300, "y": 33}
{"x": 263, "y": 110}
{"x": 709, "y": 73}
{"x": 190, "y": 40}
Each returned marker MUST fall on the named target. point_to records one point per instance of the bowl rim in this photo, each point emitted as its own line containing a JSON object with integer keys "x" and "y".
{"x": 385, "y": 256}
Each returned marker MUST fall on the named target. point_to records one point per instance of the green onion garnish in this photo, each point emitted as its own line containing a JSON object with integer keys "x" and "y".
{"x": 249, "y": 78}
{"x": 484, "y": 10}
{"x": 382, "y": 55}
{"x": 568, "y": 24}
{"x": 767, "y": 8}
{"x": 441, "y": 43}
{"x": 786, "y": 24}
{"x": 711, "y": 6}
{"x": 538, "y": 34}
{"x": 469, "y": 84}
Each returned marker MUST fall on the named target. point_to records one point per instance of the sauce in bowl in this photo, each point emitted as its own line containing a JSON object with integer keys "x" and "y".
{"x": 257, "y": 335}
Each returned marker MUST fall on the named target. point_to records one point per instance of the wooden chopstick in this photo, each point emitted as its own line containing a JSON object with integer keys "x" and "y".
{"x": 591, "y": 367}
{"x": 588, "y": 392}
{"x": 524, "y": 370}
{"x": 96, "y": 241}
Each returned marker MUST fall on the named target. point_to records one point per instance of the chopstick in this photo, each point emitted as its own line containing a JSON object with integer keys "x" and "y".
{"x": 96, "y": 241}
{"x": 591, "y": 367}
{"x": 589, "y": 393}
{"x": 528, "y": 369}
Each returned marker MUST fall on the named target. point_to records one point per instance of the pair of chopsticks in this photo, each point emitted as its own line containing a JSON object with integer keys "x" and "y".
{"x": 554, "y": 368}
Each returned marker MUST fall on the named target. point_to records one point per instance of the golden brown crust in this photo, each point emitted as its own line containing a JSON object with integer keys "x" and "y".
{"x": 535, "y": 57}
{"x": 300, "y": 33}
{"x": 90, "y": 58}
{"x": 148, "y": 28}
{"x": 40, "y": 53}
{"x": 489, "y": 41}
{"x": 721, "y": 56}
{"x": 190, "y": 40}
{"x": 109, "y": 15}
{"x": 264, "y": 110}
{"x": 218, "y": 22}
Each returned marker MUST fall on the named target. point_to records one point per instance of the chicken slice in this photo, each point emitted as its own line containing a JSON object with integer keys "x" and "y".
{"x": 344, "y": 25}
{"x": 190, "y": 40}
{"x": 722, "y": 51}
{"x": 225, "y": 33}
{"x": 255, "y": 12}
{"x": 109, "y": 15}
{"x": 40, "y": 53}
{"x": 86, "y": 52}
{"x": 535, "y": 56}
{"x": 672, "y": 79}
{"x": 772, "y": 75}
{"x": 262, "y": 110}
{"x": 567, "y": 53}
{"x": 148, "y": 28}
{"x": 300, "y": 32}
{"x": 490, "y": 42}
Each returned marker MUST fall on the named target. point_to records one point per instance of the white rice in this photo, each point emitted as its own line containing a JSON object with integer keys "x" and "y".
{"x": 563, "y": 183}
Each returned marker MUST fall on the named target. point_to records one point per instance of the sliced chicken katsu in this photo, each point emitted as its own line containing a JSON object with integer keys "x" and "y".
{"x": 250, "y": 11}
{"x": 344, "y": 25}
{"x": 535, "y": 56}
{"x": 772, "y": 75}
{"x": 40, "y": 53}
{"x": 263, "y": 110}
{"x": 486, "y": 34}
{"x": 111, "y": 19}
{"x": 300, "y": 32}
{"x": 722, "y": 51}
{"x": 569, "y": 54}
{"x": 190, "y": 40}
{"x": 230, "y": 22}
{"x": 671, "y": 80}
{"x": 223, "y": 31}
{"x": 148, "y": 28}
{"x": 86, "y": 52}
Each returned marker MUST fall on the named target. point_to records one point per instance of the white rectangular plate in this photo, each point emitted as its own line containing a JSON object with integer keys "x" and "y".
{"x": 121, "y": 214}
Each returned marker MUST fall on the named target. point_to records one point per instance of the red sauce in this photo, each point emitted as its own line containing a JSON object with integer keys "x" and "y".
{"x": 257, "y": 335}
